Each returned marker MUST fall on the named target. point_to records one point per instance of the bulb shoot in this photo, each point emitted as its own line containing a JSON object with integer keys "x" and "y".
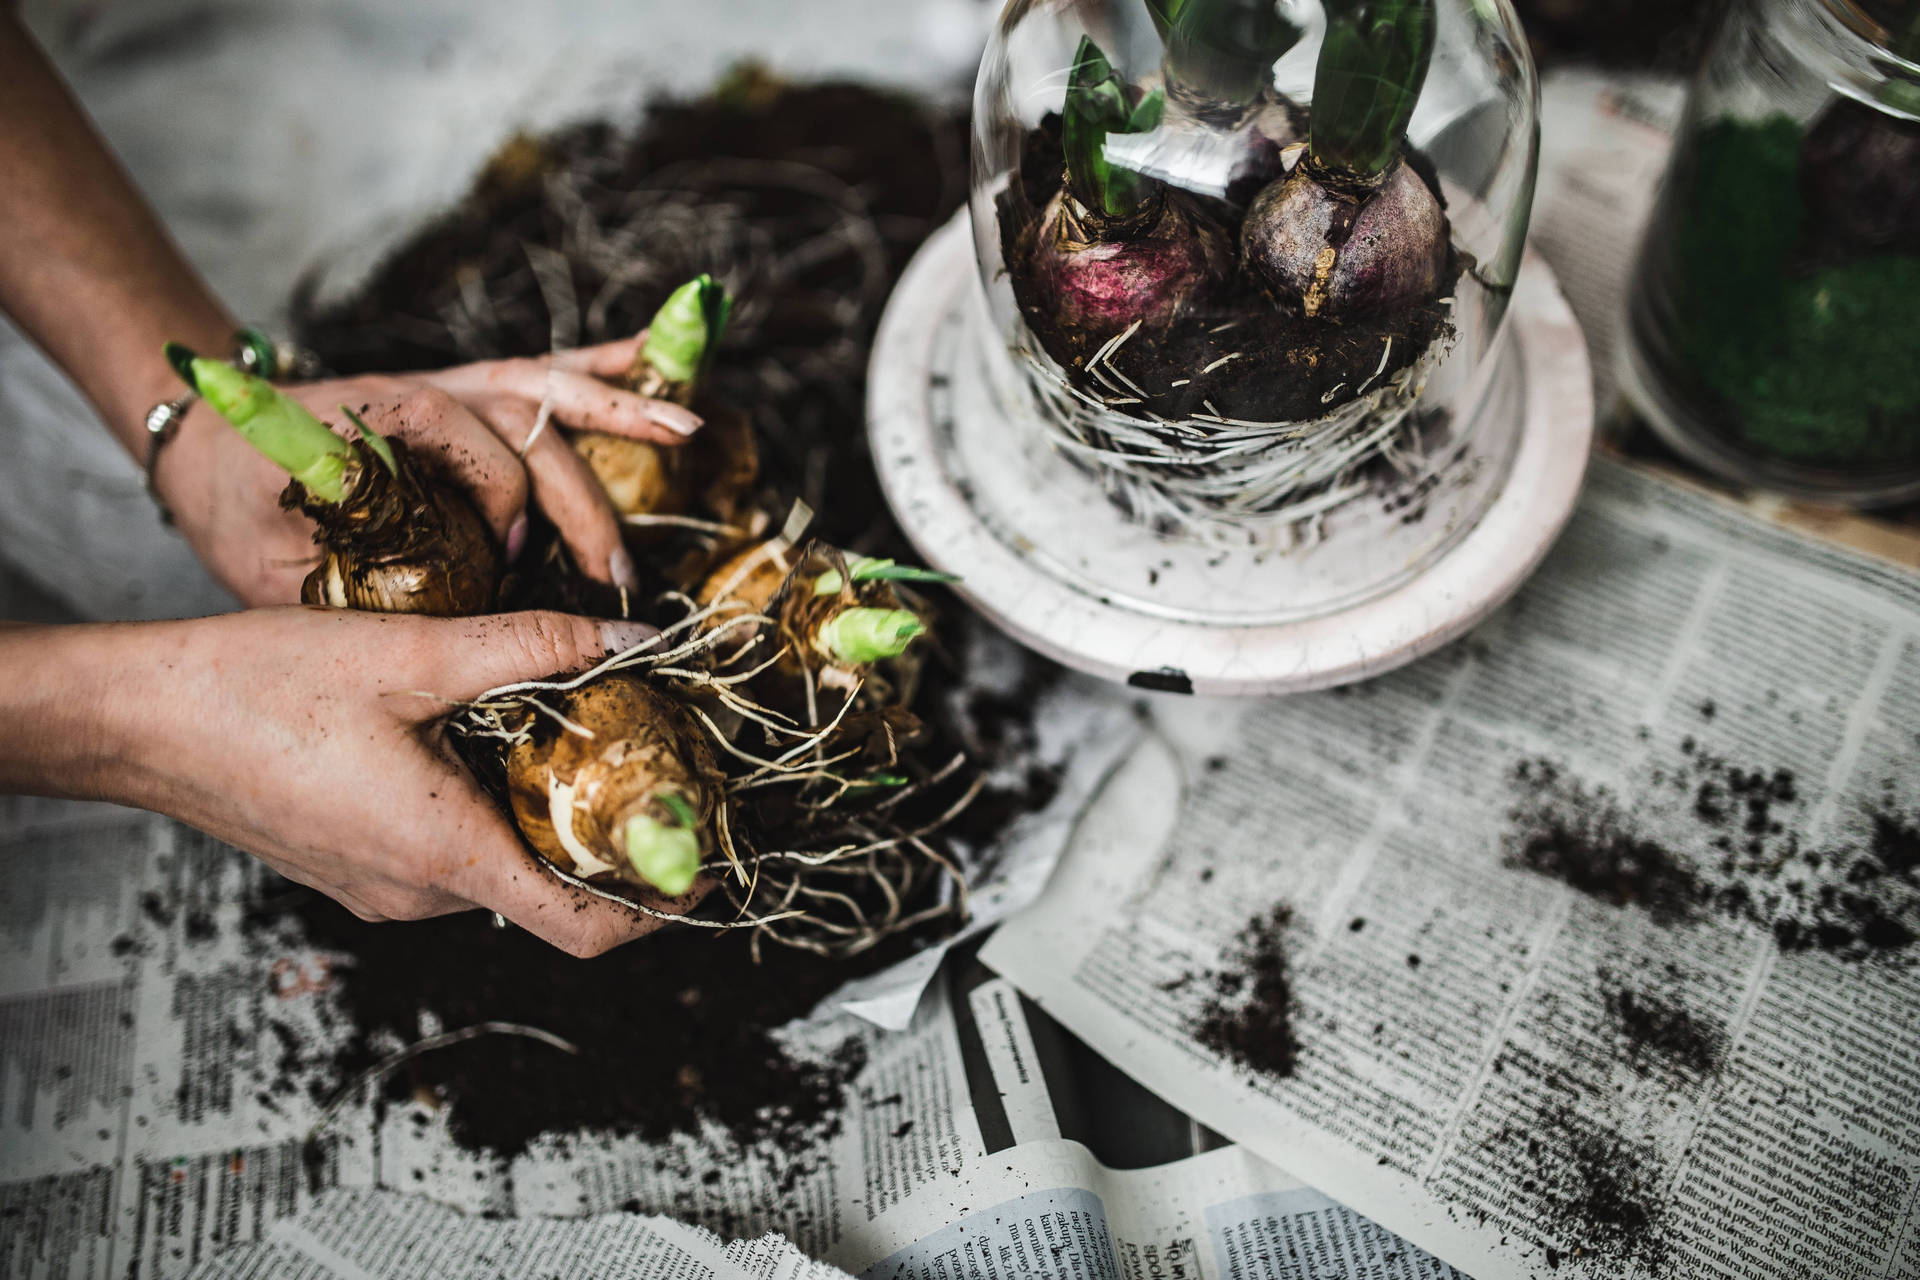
{"x": 274, "y": 423}
{"x": 665, "y": 856}
{"x": 861, "y": 636}
{"x": 1353, "y": 230}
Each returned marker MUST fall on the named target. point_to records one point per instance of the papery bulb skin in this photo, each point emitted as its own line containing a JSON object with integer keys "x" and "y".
{"x": 1329, "y": 253}
{"x": 572, "y": 795}
{"x": 637, "y": 475}
{"x": 400, "y": 541}
{"x": 1273, "y": 131}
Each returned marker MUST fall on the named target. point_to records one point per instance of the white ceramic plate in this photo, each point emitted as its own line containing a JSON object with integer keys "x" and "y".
{"x": 1046, "y": 557}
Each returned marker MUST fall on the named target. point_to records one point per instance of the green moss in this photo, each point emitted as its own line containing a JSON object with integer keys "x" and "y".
{"x": 1818, "y": 366}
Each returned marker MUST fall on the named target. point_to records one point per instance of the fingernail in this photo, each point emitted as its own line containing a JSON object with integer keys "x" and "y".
{"x": 517, "y": 536}
{"x": 622, "y": 636}
{"x": 683, "y": 421}
{"x": 620, "y": 569}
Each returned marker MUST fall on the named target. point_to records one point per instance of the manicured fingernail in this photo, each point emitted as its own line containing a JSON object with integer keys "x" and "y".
{"x": 620, "y": 569}
{"x": 517, "y": 536}
{"x": 676, "y": 419}
{"x": 622, "y": 636}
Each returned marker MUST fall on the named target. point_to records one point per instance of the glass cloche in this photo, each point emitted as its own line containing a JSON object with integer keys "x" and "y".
{"x": 1245, "y": 266}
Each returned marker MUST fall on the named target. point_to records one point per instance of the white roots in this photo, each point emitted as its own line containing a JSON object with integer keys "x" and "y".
{"x": 848, "y": 871}
{"x": 1231, "y": 481}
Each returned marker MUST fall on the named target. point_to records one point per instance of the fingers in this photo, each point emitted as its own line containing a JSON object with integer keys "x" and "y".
{"x": 591, "y": 405}
{"x": 578, "y": 400}
{"x": 571, "y": 495}
{"x": 579, "y": 923}
{"x": 471, "y": 850}
{"x": 440, "y": 428}
{"x": 608, "y": 360}
{"x": 466, "y": 657}
{"x": 485, "y": 863}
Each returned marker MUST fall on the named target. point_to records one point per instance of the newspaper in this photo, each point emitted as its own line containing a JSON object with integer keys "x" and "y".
{"x": 1704, "y": 1064}
{"x": 139, "y": 1133}
{"x": 144, "y": 1125}
{"x": 376, "y": 1235}
{"x": 1046, "y": 1206}
{"x": 146, "y": 1118}
{"x": 1041, "y": 1206}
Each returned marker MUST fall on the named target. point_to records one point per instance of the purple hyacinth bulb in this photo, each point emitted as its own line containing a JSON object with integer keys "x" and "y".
{"x": 1330, "y": 254}
{"x": 1097, "y": 286}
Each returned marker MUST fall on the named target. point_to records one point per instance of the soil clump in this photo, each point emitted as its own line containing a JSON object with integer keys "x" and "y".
{"x": 1248, "y": 1014}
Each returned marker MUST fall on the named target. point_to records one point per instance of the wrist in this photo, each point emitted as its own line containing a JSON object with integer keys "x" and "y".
{"x": 67, "y": 695}
{"x": 142, "y": 378}
{"x": 184, "y": 468}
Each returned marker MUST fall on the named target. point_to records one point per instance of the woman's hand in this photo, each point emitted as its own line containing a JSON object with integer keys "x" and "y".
{"x": 476, "y": 421}
{"x": 88, "y": 273}
{"x": 310, "y": 738}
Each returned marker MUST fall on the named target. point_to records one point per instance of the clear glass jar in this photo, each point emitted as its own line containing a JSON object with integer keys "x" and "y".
{"x": 1218, "y": 391}
{"x": 1774, "y": 324}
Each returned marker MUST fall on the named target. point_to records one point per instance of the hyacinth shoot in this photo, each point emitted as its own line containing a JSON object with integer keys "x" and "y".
{"x": 277, "y": 425}
{"x": 1222, "y": 51}
{"x": 685, "y": 330}
{"x": 1373, "y": 65}
{"x": 1098, "y": 104}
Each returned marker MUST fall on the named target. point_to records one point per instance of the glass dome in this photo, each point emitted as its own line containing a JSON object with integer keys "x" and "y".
{"x": 1245, "y": 265}
{"x": 1772, "y": 330}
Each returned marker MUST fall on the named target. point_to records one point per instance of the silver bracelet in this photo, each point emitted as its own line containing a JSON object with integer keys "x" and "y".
{"x": 163, "y": 423}
{"x": 253, "y": 352}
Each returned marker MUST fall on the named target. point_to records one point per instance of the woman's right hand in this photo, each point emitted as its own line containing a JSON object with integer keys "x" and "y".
{"x": 312, "y": 739}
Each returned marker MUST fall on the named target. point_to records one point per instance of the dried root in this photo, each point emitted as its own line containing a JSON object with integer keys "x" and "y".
{"x": 816, "y": 835}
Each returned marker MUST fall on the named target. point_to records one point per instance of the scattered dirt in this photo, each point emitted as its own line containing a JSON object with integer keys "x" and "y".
{"x": 808, "y": 201}
{"x": 1581, "y": 835}
{"x": 1248, "y": 1016}
{"x": 1706, "y": 837}
{"x": 1656, "y": 1030}
{"x": 672, "y": 1033}
{"x": 1593, "y": 1190}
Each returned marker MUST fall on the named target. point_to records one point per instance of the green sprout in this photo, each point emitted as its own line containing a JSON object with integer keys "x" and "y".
{"x": 1373, "y": 64}
{"x": 274, "y": 423}
{"x": 1224, "y": 50}
{"x": 857, "y": 637}
{"x": 869, "y": 569}
{"x": 666, "y": 855}
{"x": 1097, "y": 106}
{"x": 681, "y": 338}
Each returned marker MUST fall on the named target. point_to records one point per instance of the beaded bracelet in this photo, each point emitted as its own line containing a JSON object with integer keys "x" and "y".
{"x": 253, "y": 352}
